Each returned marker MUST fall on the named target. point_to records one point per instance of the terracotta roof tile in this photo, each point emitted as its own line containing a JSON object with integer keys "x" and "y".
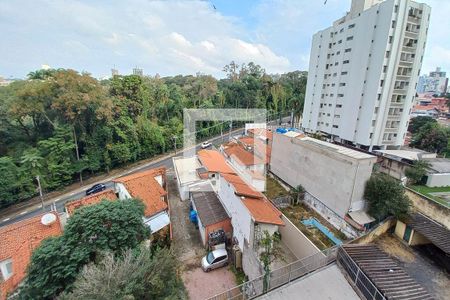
{"x": 262, "y": 132}
{"x": 263, "y": 211}
{"x": 144, "y": 186}
{"x": 213, "y": 161}
{"x": 258, "y": 145}
{"x": 18, "y": 241}
{"x": 89, "y": 200}
{"x": 241, "y": 188}
{"x": 241, "y": 155}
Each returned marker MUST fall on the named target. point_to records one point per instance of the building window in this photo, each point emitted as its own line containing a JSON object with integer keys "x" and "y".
{"x": 345, "y": 61}
{"x": 384, "y": 69}
{"x": 396, "y": 9}
{"x": 381, "y": 83}
{"x": 342, "y": 84}
{"x": 348, "y": 50}
{"x": 340, "y": 95}
{"x": 338, "y": 105}
{"x": 393, "y": 24}
{"x": 344, "y": 73}
{"x": 351, "y": 26}
{"x": 390, "y": 39}
{"x": 335, "y": 126}
{"x": 6, "y": 268}
{"x": 340, "y": 42}
{"x": 349, "y": 38}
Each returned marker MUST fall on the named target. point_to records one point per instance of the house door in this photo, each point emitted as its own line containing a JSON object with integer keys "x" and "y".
{"x": 407, "y": 234}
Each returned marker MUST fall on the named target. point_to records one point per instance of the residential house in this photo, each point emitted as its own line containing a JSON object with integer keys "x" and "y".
{"x": 90, "y": 200}
{"x": 150, "y": 187}
{"x": 17, "y": 242}
{"x": 425, "y": 111}
{"x": 395, "y": 163}
{"x": 211, "y": 215}
{"x": 188, "y": 172}
{"x": 333, "y": 176}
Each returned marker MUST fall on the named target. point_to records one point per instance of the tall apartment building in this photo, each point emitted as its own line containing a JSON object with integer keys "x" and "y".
{"x": 363, "y": 73}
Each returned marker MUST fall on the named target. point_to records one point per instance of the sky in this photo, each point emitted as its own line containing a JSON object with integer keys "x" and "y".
{"x": 178, "y": 37}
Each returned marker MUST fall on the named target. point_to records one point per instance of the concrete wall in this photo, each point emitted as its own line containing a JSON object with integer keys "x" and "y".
{"x": 251, "y": 264}
{"x": 295, "y": 240}
{"x": 225, "y": 225}
{"x": 393, "y": 168}
{"x": 415, "y": 239}
{"x": 372, "y": 235}
{"x": 438, "y": 180}
{"x": 400, "y": 228}
{"x": 428, "y": 207}
{"x": 121, "y": 190}
{"x": 335, "y": 179}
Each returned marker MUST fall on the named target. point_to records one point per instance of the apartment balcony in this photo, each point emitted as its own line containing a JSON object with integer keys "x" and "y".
{"x": 388, "y": 142}
{"x": 406, "y": 62}
{"x": 409, "y": 49}
{"x": 391, "y": 129}
{"x": 405, "y": 77}
{"x": 397, "y": 104}
{"x": 411, "y": 34}
{"x": 414, "y": 19}
{"x": 400, "y": 91}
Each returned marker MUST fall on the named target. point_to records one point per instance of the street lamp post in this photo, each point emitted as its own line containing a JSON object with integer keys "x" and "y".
{"x": 175, "y": 143}
{"x": 40, "y": 191}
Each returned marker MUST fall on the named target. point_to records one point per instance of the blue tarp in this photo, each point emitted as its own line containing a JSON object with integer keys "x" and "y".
{"x": 313, "y": 222}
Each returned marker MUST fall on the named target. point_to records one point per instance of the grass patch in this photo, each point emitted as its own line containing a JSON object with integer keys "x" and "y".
{"x": 426, "y": 190}
{"x": 239, "y": 275}
{"x": 274, "y": 188}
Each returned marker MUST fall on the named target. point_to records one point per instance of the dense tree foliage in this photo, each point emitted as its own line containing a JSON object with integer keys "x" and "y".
{"x": 416, "y": 123}
{"x": 432, "y": 137}
{"x": 386, "y": 197}
{"x": 417, "y": 171}
{"x": 111, "y": 226}
{"x": 63, "y": 125}
{"x": 146, "y": 275}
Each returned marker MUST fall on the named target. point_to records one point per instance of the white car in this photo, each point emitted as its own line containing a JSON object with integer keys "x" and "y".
{"x": 206, "y": 144}
{"x": 215, "y": 259}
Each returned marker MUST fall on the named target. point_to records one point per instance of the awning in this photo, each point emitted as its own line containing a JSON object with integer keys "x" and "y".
{"x": 361, "y": 217}
{"x": 158, "y": 222}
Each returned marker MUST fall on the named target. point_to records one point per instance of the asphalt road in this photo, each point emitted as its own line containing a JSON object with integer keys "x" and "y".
{"x": 60, "y": 201}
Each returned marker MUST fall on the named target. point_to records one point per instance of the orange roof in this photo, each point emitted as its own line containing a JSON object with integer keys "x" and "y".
{"x": 241, "y": 188}
{"x": 89, "y": 200}
{"x": 144, "y": 186}
{"x": 425, "y": 107}
{"x": 262, "y": 132}
{"x": 259, "y": 146}
{"x": 263, "y": 211}
{"x": 242, "y": 156}
{"x": 18, "y": 241}
{"x": 213, "y": 161}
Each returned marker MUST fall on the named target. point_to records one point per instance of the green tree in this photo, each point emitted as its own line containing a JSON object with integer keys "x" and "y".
{"x": 145, "y": 275}
{"x": 416, "y": 123}
{"x": 431, "y": 137}
{"x": 417, "y": 171}
{"x": 271, "y": 251}
{"x": 108, "y": 226}
{"x": 386, "y": 197}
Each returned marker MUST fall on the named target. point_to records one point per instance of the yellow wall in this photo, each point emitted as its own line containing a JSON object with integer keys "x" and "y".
{"x": 400, "y": 229}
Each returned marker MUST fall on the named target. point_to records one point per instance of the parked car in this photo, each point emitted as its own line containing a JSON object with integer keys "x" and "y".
{"x": 215, "y": 259}
{"x": 206, "y": 144}
{"x": 95, "y": 189}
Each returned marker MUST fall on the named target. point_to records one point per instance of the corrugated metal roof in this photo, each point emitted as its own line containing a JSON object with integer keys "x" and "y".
{"x": 209, "y": 209}
{"x": 390, "y": 279}
{"x": 435, "y": 232}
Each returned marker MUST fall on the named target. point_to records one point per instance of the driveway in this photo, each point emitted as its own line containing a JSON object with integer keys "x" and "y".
{"x": 188, "y": 248}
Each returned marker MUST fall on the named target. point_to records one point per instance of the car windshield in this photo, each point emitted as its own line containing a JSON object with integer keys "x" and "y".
{"x": 210, "y": 257}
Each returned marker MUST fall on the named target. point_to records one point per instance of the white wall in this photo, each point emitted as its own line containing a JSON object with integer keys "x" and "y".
{"x": 335, "y": 179}
{"x": 121, "y": 190}
{"x": 435, "y": 180}
{"x": 241, "y": 219}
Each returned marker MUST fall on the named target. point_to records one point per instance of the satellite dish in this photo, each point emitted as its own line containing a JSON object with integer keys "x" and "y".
{"x": 48, "y": 219}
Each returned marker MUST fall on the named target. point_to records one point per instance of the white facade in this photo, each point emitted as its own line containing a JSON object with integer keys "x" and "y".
{"x": 363, "y": 72}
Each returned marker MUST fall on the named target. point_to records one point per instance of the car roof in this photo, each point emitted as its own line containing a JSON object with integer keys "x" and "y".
{"x": 219, "y": 252}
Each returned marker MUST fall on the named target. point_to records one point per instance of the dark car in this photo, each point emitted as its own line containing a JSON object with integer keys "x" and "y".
{"x": 95, "y": 189}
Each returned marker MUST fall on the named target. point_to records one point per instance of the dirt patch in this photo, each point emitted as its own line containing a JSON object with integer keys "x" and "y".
{"x": 300, "y": 212}
{"x": 395, "y": 248}
{"x": 274, "y": 189}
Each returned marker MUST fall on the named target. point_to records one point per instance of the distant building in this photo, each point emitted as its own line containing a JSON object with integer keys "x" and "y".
{"x": 114, "y": 72}
{"x": 5, "y": 82}
{"x": 436, "y": 82}
{"x": 138, "y": 72}
{"x": 363, "y": 72}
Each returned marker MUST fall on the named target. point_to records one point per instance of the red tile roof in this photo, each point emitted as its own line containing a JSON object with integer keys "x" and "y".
{"x": 241, "y": 155}
{"x": 144, "y": 186}
{"x": 262, "y": 132}
{"x": 259, "y": 147}
{"x": 89, "y": 200}
{"x": 214, "y": 162}
{"x": 259, "y": 207}
{"x": 263, "y": 211}
{"x": 425, "y": 107}
{"x": 17, "y": 242}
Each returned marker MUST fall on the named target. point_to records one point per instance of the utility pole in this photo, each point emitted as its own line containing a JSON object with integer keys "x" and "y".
{"x": 40, "y": 191}
{"x": 175, "y": 143}
{"x": 221, "y": 132}
{"x": 229, "y": 134}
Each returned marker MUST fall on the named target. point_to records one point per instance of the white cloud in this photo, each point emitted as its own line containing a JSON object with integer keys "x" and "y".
{"x": 165, "y": 37}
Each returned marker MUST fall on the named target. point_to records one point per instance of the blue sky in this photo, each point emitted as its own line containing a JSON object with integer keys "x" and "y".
{"x": 178, "y": 37}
